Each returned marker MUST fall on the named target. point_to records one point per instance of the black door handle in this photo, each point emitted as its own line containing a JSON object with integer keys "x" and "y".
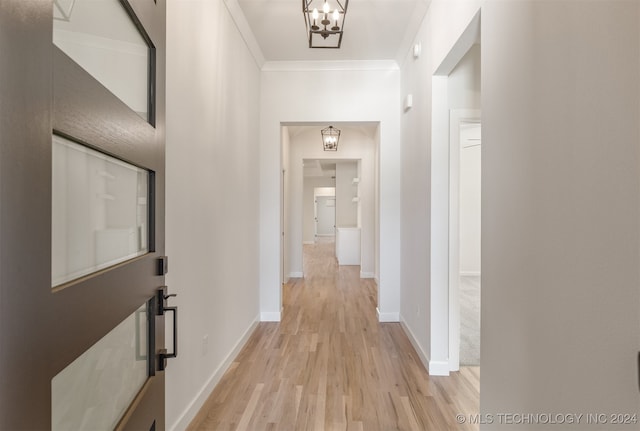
{"x": 163, "y": 354}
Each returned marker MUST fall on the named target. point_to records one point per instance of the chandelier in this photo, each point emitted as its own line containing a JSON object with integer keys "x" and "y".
{"x": 330, "y": 138}
{"x": 324, "y": 23}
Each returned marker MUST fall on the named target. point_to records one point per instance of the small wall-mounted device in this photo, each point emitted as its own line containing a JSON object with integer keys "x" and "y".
{"x": 417, "y": 50}
{"x": 408, "y": 102}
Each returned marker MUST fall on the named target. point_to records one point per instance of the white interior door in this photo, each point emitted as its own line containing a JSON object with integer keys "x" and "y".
{"x": 325, "y": 215}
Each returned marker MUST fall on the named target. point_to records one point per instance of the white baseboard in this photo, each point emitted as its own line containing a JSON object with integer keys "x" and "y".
{"x": 438, "y": 368}
{"x": 434, "y": 368}
{"x": 469, "y": 273}
{"x": 367, "y": 275}
{"x": 270, "y": 316}
{"x": 296, "y": 274}
{"x": 308, "y": 242}
{"x": 415, "y": 343}
{"x": 375, "y": 277}
{"x": 198, "y": 401}
{"x": 387, "y": 317}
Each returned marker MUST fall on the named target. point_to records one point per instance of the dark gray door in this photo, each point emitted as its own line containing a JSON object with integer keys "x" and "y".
{"x": 73, "y": 270}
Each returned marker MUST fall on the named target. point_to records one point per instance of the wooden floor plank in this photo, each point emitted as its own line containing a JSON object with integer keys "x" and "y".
{"x": 329, "y": 364}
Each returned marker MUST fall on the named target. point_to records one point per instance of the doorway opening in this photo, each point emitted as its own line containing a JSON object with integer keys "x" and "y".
{"x": 464, "y": 237}
{"x": 324, "y": 214}
{"x": 332, "y": 186}
{"x": 319, "y": 184}
{"x": 455, "y": 205}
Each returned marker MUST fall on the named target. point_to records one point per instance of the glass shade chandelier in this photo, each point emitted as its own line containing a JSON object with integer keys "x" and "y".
{"x": 324, "y": 22}
{"x": 330, "y": 138}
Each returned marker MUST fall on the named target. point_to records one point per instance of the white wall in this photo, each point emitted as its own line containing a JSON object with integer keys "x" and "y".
{"x": 470, "y": 200}
{"x": 212, "y": 197}
{"x": 560, "y": 203}
{"x": 464, "y": 90}
{"x": 365, "y": 95}
{"x": 346, "y": 209}
{"x": 355, "y": 144}
{"x": 560, "y": 207}
{"x": 308, "y": 222}
{"x": 415, "y": 220}
{"x": 424, "y": 295}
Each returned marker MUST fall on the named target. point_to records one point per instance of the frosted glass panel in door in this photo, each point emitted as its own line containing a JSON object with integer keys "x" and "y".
{"x": 94, "y": 391}
{"x": 99, "y": 211}
{"x": 103, "y": 39}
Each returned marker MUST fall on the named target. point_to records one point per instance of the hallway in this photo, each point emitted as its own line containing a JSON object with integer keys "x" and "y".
{"x": 329, "y": 365}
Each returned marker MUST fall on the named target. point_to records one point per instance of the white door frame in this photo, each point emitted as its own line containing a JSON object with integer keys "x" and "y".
{"x": 457, "y": 117}
{"x": 321, "y": 192}
{"x": 439, "y": 360}
{"x": 283, "y": 247}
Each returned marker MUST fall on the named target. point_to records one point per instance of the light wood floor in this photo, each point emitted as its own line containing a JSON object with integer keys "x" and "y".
{"x": 329, "y": 365}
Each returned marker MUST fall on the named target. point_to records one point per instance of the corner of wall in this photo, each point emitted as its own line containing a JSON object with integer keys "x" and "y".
{"x": 198, "y": 401}
{"x": 434, "y": 368}
{"x": 387, "y": 317}
{"x": 438, "y": 368}
{"x": 245, "y": 31}
{"x": 270, "y": 316}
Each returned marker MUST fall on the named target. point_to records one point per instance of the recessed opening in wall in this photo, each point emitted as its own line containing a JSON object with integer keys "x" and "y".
{"x": 464, "y": 234}
{"x": 455, "y": 204}
{"x": 330, "y": 197}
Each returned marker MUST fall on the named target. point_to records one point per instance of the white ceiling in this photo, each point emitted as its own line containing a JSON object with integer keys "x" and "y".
{"x": 374, "y": 30}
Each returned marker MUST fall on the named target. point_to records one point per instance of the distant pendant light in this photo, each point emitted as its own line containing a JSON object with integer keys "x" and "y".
{"x": 330, "y": 138}
{"x": 324, "y": 28}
